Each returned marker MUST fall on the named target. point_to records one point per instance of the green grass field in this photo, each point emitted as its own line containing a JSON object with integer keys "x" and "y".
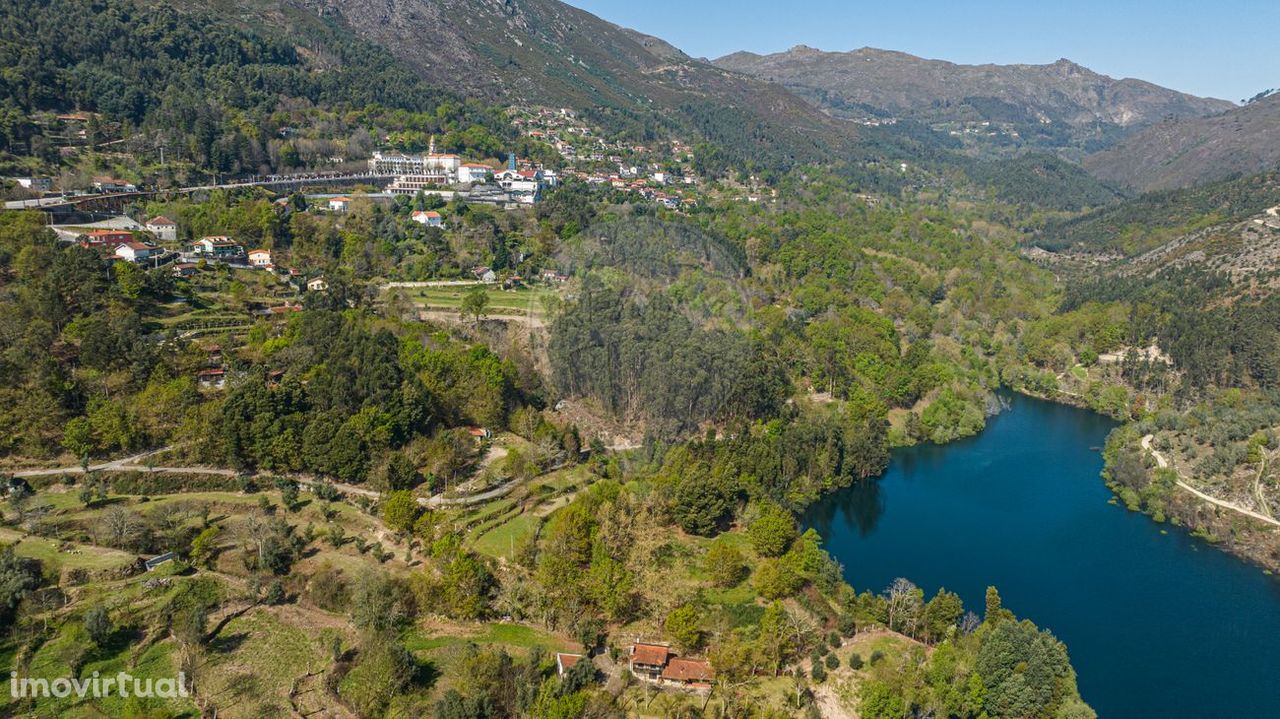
{"x": 504, "y": 539}
{"x": 81, "y": 556}
{"x": 521, "y": 300}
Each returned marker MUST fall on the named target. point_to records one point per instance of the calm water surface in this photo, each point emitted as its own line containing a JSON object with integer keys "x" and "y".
{"x": 1158, "y": 623}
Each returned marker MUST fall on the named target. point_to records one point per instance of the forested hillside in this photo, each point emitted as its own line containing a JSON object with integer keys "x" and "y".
{"x": 1157, "y": 217}
{"x": 546, "y": 52}
{"x": 1042, "y": 181}
{"x": 1183, "y": 152}
{"x": 730, "y": 337}
{"x": 1173, "y": 294}
{"x": 217, "y": 96}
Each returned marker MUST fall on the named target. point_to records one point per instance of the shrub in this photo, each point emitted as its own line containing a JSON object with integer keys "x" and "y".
{"x": 275, "y": 593}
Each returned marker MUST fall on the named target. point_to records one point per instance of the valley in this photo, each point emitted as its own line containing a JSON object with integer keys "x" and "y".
{"x": 477, "y": 359}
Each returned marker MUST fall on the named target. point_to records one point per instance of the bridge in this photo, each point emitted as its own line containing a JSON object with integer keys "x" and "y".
{"x": 114, "y": 202}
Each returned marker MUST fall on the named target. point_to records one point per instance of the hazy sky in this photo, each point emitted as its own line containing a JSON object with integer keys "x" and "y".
{"x": 1228, "y": 49}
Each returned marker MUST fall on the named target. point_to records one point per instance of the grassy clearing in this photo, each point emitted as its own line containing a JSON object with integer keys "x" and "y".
{"x": 521, "y": 300}
{"x": 502, "y": 541}
{"x": 511, "y": 636}
{"x": 891, "y": 646}
{"x": 68, "y": 645}
{"x": 253, "y": 661}
{"x": 444, "y": 646}
{"x": 80, "y": 556}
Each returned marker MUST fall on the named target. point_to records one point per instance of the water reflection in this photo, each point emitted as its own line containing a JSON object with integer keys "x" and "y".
{"x": 859, "y": 507}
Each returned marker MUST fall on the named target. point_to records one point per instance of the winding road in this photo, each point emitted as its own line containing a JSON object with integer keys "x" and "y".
{"x": 1162, "y": 462}
{"x": 137, "y": 463}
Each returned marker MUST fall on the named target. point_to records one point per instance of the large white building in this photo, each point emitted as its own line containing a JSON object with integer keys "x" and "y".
{"x": 417, "y": 172}
{"x": 469, "y": 173}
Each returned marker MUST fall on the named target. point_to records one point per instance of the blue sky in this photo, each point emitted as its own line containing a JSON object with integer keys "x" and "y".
{"x": 1224, "y": 49}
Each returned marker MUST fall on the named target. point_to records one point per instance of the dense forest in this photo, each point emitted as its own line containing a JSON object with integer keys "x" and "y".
{"x": 1042, "y": 181}
{"x": 224, "y": 98}
{"x": 1153, "y": 218}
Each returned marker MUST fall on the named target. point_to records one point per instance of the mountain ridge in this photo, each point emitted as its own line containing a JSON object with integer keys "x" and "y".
{"x": 548, "y": 53}
{"x": 894, "y": 83}
{"x": 1173, "y": 154}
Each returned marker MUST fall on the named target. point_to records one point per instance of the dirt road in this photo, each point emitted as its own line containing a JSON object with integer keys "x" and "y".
{"x": 1162, "y": 462}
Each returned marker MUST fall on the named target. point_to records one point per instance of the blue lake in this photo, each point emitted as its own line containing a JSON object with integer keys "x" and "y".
{"x": 1158, "y": 623}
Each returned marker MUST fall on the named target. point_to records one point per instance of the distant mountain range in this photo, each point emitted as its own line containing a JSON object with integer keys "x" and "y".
{"x": 1062, "y": 104}
{"x": 1178, "y": 153}
{"x": 774, "y": 111}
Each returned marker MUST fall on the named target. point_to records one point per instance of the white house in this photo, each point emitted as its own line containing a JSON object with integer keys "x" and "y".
{"x": 37, "y": 184}
{"x": 165, "y": 229}
{"x": 136, "y": 251}
{"x": 430, "y": 218}
{"x": 520, "y": 181}
{"x": 339, "y": 204}
{"x": 218, "y": 246}
{"x": 470, "y": 172}
{"x": 317, "y": 284}
{"x": 260, "y": 258}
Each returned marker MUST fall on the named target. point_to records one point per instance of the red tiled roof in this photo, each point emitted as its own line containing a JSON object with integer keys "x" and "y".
{"x": 651, "y": 654}
{"x": 566, "y": 661}
{"x": 160, "y": 220}
{"x": 689, "y": 670}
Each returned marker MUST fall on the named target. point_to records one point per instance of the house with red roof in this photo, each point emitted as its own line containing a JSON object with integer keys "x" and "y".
{"x": 165, "y": 229}
{"x": 648, "y": 660}
{"x": 470, "y": 172}
{"x": 430, "y": 218}
{"x": 657, "y": 664}
{"x": 136, "y": 251}
{"x": 260, "y": 258}
{"x": 113, "y": 184}
{"x": 565, "y": 662}
{"x": 109, "y": 238}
